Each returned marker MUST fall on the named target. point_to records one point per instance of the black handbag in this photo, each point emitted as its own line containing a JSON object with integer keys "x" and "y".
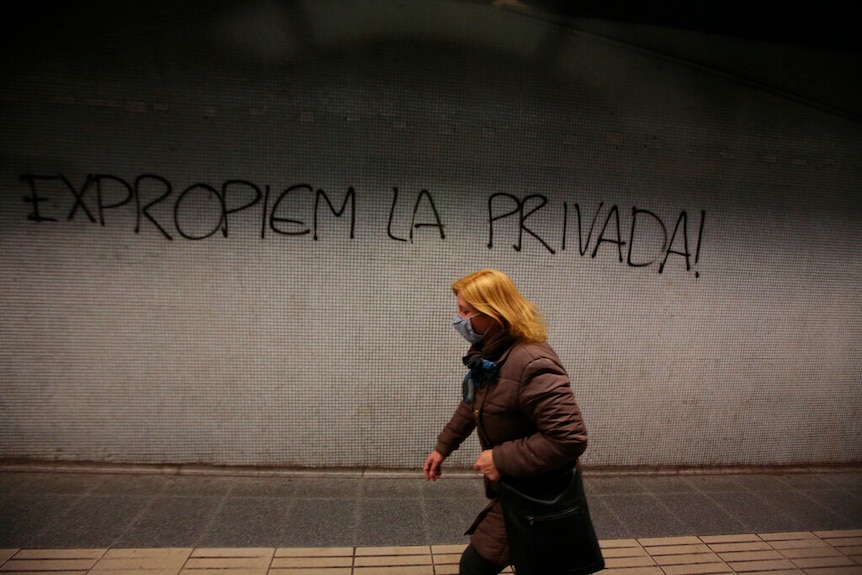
{"x": 550, "y": 534}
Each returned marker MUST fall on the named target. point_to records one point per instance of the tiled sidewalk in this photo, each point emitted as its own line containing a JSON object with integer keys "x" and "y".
{"x": 801, "y": 553}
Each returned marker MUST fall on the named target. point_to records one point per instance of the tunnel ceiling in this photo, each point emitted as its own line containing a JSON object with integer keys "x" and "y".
{"x": 811, "y": 51}
{"x": 818, "y": 24}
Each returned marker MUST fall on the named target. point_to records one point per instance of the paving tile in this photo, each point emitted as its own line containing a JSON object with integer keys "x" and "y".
{"x": 647, "y": 513}
{"x": 788, "y": 536}
{"x": 605, "y": 521}
{"x": 818, "y": 551}
{"x": 404, "y": 550}
{"x": 198, "y": 486}
{"x": 265, "y": 487}
{"x": 440, "y": 560}
{"x": 734, "y": 538}
{"x": 310, "y": 562}
{"x": 320, "y": 522}
{"x": 802, "y": 513}
{"x": 812, "y": 543}
{"x": 250, "y": 552}
{"x": 170, "y": 521}
{"x": 59, "y": 483}
{"x": 844, "y": 504}
{"x": 662, "y": 541}
{"x": 766, "y": 483}
{"x": 445, "y": 549}
{"x": 313, "y": 571}
{"x": 399, "y": 570}
{"x": 788, "y": 571}
{"x": 843, "y": 541}
{"x": 741, "y": 556}
{"x": 633, "y": 571}
{"x": 396, "y": 522}
{"x": 225, "y": 571}
{"x": 742, "y": 546}
{"x": 755, "y": 512}
{"x": 314, "y": 552}
{"x": 768, "y": 565}
{"x": 247, "y": 521}
{"x": 696, "y": 569}
{"x": 60, "y": 553}
{"x": 133, "y": 485}
{"x": 465, "y": 490}
{"x": 855, "y": 552}
{"x": 48, "y": 565}
{"x": 629, "y": 561}
{"x": 10, "y": 481}
{"x": 613, "y": 485}
{"x": 839, "y": 533}
{"x": 37, "y": 572}
{"x": 227, "y": 563}
{"x": 850, "y": 570}
{"x": 392, "y": 560}
{"x": 175, "y": 553}
{"x": 673, "y": 484}
{"x": 638, "y": 551}
{"x": 392, "y": 488}
{"x": 695, "y": 509}
{"x": 447, "y": 519}
{"x": 327, "y": 488}
{"x": 94, "y": 521}
{"x": 718, "y": 484}
{"x": 52, "y": 560}
{"x": 692, "y": 559}
{"x": 163, "y": 560}
{"x": 27, "y": 515}
{"x": 145, "y": 569}
{"x": 677, "y": 549}
{"x": 612, "y": 543}
{"x": 831, "y": 561}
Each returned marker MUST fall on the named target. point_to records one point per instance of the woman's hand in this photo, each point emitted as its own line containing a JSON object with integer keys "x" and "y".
{"x": 485, "y": 465}
{"x": 433, "y": 466}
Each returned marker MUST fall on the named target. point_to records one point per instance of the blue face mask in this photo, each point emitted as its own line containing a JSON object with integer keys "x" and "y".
{"x": 464, "y": 326}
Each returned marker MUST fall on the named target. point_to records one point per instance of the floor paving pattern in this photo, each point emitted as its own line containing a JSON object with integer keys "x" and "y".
{"x": 800, "y": 553}
{"x": 183, "y": 522}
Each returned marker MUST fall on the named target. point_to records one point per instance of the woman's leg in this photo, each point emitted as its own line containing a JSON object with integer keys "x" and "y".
{"x": 474, "y": 564}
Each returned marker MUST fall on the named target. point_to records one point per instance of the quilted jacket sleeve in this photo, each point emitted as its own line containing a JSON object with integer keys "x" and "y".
{"x": 457, "y": 430}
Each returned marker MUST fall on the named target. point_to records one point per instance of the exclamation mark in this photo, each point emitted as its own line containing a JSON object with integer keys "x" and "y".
{"x": 263, "y": 213}
{"x": 565, "y": 222}
{"x": 699, "y": 238}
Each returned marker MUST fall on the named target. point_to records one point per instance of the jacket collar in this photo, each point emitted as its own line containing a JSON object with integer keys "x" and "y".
{"x": 493, "y": 347}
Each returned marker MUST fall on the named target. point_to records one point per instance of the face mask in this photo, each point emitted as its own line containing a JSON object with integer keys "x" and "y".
{"x": 464, "y": 326}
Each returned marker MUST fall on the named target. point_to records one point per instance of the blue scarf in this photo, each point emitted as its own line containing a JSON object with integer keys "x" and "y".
{"x": 481, "y": 372}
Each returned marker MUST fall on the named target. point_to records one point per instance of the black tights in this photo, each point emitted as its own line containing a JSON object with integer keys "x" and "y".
{"x": 474, "y": 564}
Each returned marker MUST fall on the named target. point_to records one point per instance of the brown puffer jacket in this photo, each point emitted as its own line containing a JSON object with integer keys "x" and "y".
{"x": 529, "y": 417}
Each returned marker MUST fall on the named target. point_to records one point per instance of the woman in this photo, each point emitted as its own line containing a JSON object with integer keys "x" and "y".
{"x": 518, "y": 398}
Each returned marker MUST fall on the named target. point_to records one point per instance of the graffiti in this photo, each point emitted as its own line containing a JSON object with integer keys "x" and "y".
{"x": 149, "y": 191}
{"x": 426, "y": 195}
{"x": 200, "y": 211}
{"x": 610, "y": 233}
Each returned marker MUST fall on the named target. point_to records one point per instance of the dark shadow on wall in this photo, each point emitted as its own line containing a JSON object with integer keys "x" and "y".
{"x": 808, "y": 52}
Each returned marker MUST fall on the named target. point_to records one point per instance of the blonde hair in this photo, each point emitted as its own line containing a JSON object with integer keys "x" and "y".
{"x": 494, "y": 294}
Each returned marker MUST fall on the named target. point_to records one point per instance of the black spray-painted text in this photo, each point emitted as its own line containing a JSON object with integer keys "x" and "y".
{"x": 200, "y": 211}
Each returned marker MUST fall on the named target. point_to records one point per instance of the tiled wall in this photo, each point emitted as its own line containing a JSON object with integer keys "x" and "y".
{"x": 233, "y": 244}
